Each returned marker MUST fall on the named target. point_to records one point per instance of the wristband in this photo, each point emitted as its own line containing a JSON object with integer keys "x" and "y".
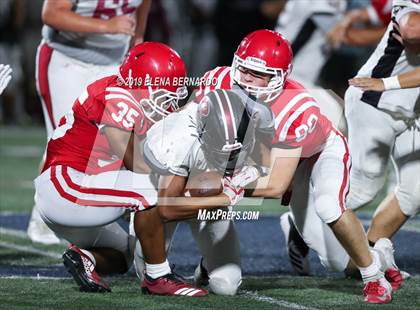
{"x": 391, "y": 83}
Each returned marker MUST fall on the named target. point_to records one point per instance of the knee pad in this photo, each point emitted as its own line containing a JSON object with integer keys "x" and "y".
{"x": 225, "y": 280}
{"x": 409, "y": 200}
{"x": 363, "y": 188}
{"x": 328, "y": 208}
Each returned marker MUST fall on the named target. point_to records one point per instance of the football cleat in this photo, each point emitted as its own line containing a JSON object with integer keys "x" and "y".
{"x": 378, "y": 291}
{"x": 296, "y": 248}
{"x": 170, "y": 285}
{"x": 83, "y": 271}
{"x": 201, "y": 276}
{"x": 392, "y": 272}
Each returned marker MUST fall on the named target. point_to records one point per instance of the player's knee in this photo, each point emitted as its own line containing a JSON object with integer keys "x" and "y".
{"x": 409, "y": 200}
{"x": 327, "y": 207}
{"x": 225, "y": 280}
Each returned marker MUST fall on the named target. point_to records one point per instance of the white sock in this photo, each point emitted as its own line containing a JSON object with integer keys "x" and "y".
{"x": 90, "y": 255}
{"x": 371, "y": 272}
{"x": 157, "y": 270}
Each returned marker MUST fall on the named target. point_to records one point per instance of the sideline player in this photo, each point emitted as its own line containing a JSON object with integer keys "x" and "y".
{"x": 217, "y": 135}
{"x": 82, "y": 41}
{"x": 93, "y": 172}
{"x": 313, "y": 35}
{"x": 307, "y": 148}
{"x": 5, "y": 76}
{"x": 396, "y": 131}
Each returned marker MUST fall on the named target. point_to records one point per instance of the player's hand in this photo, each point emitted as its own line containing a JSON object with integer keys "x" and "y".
{"x": 368, "y": 84}
{"x": 121, "y": 24}
{"x": 247, "y": 175}
{"x": 337, "y": 35}
{"x": 5, "y": 76}
{"x": 234, "y": 193}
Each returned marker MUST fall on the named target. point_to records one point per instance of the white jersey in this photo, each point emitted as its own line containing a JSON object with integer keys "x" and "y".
{"x": 172, "y": 145}
{"x": 305, "y": 23}
{"x": 390, "y": 59}
{"x": 96, "y": 48}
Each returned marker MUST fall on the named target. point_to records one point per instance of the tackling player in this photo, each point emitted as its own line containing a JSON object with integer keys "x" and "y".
{"x": 93, "y": 172}
{"x": 396, "y": 117}
{"x": 82, "y": 41}
{"x": 309, "y": 151}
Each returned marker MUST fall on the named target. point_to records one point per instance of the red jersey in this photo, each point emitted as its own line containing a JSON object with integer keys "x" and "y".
{"x": 79, "y": 141}
{"x": 298, "y": 119}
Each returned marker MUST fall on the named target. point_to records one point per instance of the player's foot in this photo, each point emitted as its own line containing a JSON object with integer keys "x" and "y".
{"x": 392, "y": 272}
{"x": 83, "y": 271}
{"x": 378, "y": 291}
{"x": 170, "y": 285}
{"x": 296, "y": 248}
{"x": 201, "y": 276}
{"x": 39, "y": 232}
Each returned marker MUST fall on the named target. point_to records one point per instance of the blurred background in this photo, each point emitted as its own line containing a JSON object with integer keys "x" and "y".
{"x": 205, "y": 33}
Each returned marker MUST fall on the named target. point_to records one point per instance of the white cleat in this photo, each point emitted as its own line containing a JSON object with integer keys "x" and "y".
{"x": 392, "y": 272}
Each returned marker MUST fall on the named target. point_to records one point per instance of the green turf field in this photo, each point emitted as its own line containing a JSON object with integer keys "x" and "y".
{"x": 20, "y": 151}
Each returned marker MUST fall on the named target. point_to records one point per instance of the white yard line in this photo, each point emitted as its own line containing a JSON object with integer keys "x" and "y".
{"x": 38, "y": 277}
{"x": 29, "y": 249}
{"x": 13, "y": 232}
{"x": 291, "y": 305}
{"x": 20, "y": 234}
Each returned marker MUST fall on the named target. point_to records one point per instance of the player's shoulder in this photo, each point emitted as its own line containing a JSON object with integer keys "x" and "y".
{"x": 293, "y": 94}
{"x": 218, "y": 75}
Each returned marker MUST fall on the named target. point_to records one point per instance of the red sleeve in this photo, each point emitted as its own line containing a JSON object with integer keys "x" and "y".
{"x": 124, "y": 113}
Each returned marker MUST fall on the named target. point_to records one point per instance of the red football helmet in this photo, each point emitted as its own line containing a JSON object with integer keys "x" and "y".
{"x": 159, "y": 71}
{"x": 264, "y": 51}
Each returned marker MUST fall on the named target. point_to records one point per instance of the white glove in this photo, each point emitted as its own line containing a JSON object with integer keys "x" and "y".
{"x": 246, "y": 176}
{"x": 5, "y": 76}
{"x": 234, "y": 193}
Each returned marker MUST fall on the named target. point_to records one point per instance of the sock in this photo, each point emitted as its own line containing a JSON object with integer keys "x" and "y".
{"x": 157, "y": 270}
{"x": 90, "y": 255}
{"x": 371, "y": 272}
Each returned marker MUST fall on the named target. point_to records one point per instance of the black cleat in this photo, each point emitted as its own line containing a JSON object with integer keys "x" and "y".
{"x": 296, "y": 248}
{"x": 83, "y": 271}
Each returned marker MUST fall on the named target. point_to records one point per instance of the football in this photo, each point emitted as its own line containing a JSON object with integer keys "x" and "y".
{"x": 205, "y": 184}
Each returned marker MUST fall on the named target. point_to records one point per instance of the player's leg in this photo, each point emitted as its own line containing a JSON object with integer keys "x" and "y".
{"x": 219, "y": 246}
{"x": 314, "y": 231}
{"x": 37, "y": 230}
{"x": 139, "y": 259}
{"x": 71, "y": 201}
{"x": 397, "y": 208}
{"x": 330, "y": 178}
{"x": 371, "y": 137}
